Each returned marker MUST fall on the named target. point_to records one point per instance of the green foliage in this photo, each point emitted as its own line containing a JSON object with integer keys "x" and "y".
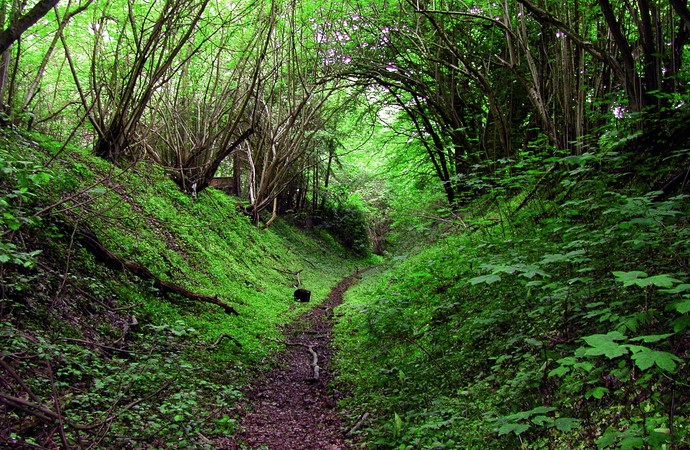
{"x": 20, "y": 181}
{"x": 346, "y": 220}
{"x": 562, "y": 326}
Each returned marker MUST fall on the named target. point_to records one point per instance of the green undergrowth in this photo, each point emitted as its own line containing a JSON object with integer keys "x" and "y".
{"x": 564, "y": 325}
{"x": 96, "y": 357}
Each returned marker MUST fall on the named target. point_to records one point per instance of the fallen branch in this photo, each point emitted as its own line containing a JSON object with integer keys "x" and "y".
{"x": 116, "y": 262}
{"x": 295, "y": 273}
{"x": 42, "y": 413}
{"x": 315, "y": 357}
{"x": 97, "y": 345}
{"x": 125, "y": 308}
{"x": 358, "y": 424}
{"x": 534, "y": 189}
{"x": 226, "y": 336}
{"x": 19, "y": 380}
{"x": 58, "y": 408}
{"x": 314, "y": 362}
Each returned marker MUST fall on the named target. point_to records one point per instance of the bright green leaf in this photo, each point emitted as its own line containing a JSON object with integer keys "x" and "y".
{"x": 596, "y": 339}
{"x": 542, "y": 410}
{"x": 12, "y": 222}
{"x": 663, "y": 360}
{"x": 663, "y": 280}
{"x": 597, "y": 392}
{"x": 608, "y": 439}
{"x": 627, "y": 278}
{"x": 488, "y": 279}
{"x": 517, "y": 428}
{"x": 604, "y": 344}
{"x": 559, "y": 371}
{"x": 542, "y": 420}
{"x": 677, "y": 290}
{"x": 631, "y": 442}
{"x": 652, "y": 338}
{"x": 40, "y": 178}
{"x": 682, "y": 306}
{"x": 567, "y": 423}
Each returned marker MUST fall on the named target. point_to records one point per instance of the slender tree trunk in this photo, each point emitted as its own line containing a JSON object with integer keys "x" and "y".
{"x": 29, "y": 96}
{"x": 327, "y": 177}
{"x": 237, "y": 174}
{"x": 681, "y": 8}
{"x": 631, "y": 82}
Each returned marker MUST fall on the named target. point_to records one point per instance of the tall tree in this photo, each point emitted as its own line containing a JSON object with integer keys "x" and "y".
{"x": 647, "y": 54}
{"x": 438, "y": 71}
{"x": 290, "y": 108}
{"x": 202, "y": 118}
{"x": 129, "y": 61}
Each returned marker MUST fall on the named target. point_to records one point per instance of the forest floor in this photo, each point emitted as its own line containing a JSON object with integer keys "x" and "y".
{"x": 291, "y": 407}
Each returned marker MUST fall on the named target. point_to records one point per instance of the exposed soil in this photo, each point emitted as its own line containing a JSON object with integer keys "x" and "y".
{"x": 291, "y": 407}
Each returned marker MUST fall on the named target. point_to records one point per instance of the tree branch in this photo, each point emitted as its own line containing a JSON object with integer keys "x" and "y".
{"x": 116, "y": 262}
{"x": 15, "y": 30}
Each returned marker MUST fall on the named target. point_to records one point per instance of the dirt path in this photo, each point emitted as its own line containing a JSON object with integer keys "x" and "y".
{"x": 289, "y": 408}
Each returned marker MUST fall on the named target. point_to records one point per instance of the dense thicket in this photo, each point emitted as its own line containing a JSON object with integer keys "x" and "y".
{"x": 557, "y": 323}
{"x": 256, "y": 92}
{"x": 483, "y": 82}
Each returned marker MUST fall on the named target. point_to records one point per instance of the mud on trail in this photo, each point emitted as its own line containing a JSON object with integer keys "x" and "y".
{"x": 290, "y": 407}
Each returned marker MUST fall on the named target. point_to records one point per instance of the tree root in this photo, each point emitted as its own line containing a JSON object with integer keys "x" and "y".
{"x": 89, "y": 240}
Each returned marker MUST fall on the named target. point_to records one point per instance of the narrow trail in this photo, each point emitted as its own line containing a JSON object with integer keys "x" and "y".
{"x": 290, "y": 407}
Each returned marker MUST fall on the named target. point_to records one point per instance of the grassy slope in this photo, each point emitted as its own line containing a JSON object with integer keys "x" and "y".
{"x": 61, "y": 311}
{"x": 477, "y": 340}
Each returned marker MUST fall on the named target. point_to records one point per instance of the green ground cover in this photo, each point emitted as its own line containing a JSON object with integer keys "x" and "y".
{"x": 564, "y": 325}
{"x": 129, "y": 363}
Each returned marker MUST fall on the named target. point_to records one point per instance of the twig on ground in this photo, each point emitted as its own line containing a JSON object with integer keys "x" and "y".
{"x": 226, "y": 336}
{"x": 314, "y": 362}
{"x": 315, "y": 357}
{"x": 96, "y": 344}
{"x": 19, "y": 380}
{"x": 360, "y": 421}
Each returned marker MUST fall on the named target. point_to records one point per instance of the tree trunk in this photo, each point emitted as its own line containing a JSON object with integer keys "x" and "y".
{"x": 237, "y": 174}
{"x": 327, "y": 177}
{"x": 631, "y": 82}
{"x": 681, "y": 7}
{"x": 16, "y": 28}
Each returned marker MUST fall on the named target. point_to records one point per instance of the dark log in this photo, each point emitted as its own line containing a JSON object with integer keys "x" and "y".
{"x": 116, "y": 262}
